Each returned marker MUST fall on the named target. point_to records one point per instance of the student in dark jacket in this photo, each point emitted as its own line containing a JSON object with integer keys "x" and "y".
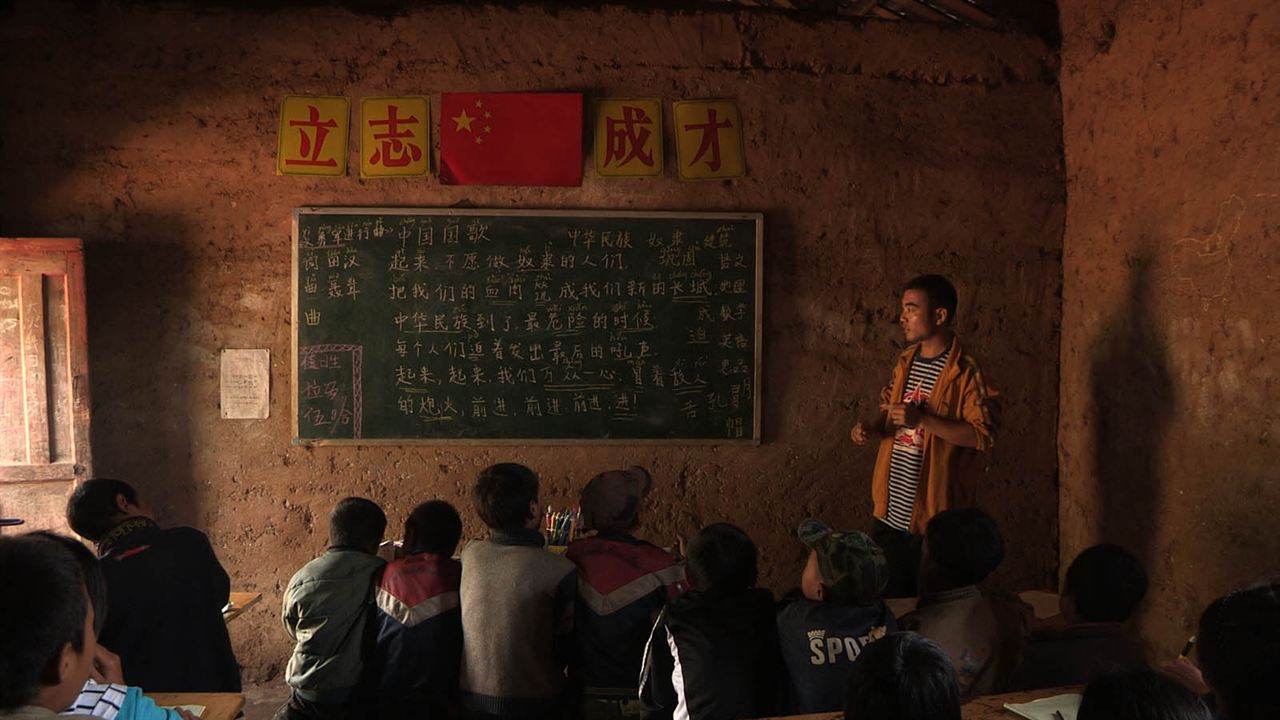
{"x": 713, "y": 653}
{"x": 413, "y": 669}
{"x": 824, "y": 630}
{"x": 622, "y": 584}
{"x": 166, "y": 586}
{"x": 1102, "y": 588}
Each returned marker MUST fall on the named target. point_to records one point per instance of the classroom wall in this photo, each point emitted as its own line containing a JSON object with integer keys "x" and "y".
{"x": 876, "y": 151}
{"x": 1168, "y": 428}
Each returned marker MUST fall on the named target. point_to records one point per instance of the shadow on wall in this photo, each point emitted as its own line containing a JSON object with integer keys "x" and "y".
{"x": 138, "y": 295}
{"x": 1133, "y": 396}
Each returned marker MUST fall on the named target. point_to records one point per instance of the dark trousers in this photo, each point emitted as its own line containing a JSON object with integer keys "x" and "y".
{"x": 299, "y": 709}
{"x": 902, "y": 555}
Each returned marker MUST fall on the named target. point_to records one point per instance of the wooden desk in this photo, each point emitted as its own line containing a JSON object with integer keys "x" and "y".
{"x": 990, "y": 707}
{"x": 240, "y": 601}
{"x": 217, "y": 706}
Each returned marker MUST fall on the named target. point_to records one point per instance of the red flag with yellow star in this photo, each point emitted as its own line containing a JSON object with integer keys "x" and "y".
{"x": 511, "y": 138}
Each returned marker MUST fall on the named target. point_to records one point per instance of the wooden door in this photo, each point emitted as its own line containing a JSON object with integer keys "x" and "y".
{"x": 44, "y": 379}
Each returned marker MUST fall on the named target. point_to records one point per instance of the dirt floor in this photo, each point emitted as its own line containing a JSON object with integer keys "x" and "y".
{"x": 875, "y": 150}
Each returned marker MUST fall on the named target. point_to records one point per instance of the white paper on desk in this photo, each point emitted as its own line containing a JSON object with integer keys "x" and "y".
{"x": 197, "y": 710}
{"x": 1044, "y": 708}
{"x": 246, "y": 384}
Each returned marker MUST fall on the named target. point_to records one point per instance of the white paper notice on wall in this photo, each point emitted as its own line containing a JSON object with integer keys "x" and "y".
{"x": 246, "y": 384}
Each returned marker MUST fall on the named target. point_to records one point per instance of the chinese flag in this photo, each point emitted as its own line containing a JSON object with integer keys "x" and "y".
{"x": 511, "y": 138}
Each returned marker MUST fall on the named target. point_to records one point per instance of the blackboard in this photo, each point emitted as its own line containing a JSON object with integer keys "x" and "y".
{"x": 470, "y": 325}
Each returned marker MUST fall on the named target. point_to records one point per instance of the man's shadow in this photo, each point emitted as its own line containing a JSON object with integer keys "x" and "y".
{"x": 1134, "y": 399}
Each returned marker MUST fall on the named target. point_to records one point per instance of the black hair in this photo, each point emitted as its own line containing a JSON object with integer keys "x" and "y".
{"x": 939, "y": 290}
{"x": 1140, "y": 694}
{"x": 92, "y": 510}
{"x": 903, "y": 676}
{"x": 436, "y": 528}
{"x": 1238, "y": 645}
{"x": 42, "y": 608}
{"x": 965, "y": 545}
{"x": 95, "y": 583}
{"x": 358, "y": 523}
{"x": 1106, "y": 582}
{"x": 722, "y": 558}
{"x": 503, "y": 493}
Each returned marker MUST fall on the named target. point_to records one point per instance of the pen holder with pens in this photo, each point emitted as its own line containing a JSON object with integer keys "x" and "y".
{"x": 560, "y": 528}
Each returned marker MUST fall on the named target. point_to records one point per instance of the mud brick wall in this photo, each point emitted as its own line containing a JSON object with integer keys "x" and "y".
{"x": 876, "y": 151}
{"x": 1168, "y": 426}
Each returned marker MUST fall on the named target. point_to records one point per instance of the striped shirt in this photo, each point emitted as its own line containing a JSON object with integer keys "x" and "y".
{"x": 103, "y": 701}
{"x": 908, "y": 443}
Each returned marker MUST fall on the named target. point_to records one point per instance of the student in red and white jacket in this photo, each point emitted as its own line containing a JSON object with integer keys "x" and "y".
{"x": 623, "y": 583}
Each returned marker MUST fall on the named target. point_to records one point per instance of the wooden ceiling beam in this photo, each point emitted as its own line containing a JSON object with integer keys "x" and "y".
{"x": 921, "y": 11}
{"x": 965, "y": 11}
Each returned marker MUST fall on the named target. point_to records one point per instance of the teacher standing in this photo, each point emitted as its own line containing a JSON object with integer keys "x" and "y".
{"x": 936, "y": 416}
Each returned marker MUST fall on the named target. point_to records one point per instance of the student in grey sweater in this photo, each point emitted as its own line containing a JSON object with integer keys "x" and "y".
{"x": 517, "y": 605}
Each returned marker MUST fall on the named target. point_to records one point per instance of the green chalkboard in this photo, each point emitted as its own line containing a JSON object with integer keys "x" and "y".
{"x": 450, "y": 326}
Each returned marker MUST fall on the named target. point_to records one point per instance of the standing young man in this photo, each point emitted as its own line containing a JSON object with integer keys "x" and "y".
{"x": 936, "y": 415}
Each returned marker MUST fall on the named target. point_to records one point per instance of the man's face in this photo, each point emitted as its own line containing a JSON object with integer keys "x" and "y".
{"x": 916, "y": 320}
{"x": 811, "y": 578}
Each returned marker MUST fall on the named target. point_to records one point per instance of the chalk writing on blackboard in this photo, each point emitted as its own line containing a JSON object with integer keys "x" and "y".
{"x": 508, "y": 325}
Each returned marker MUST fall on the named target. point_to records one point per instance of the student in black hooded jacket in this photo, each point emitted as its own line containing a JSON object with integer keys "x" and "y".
{"x": 713, "y": 653}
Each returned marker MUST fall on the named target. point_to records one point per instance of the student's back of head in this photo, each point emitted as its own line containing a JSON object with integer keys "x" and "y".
{"x": 903, "y": 676}
{"x": 1239, "y": 649}
{"x": 46, "y": 650}
{"x": 962, "y": 547}
{"x": 95, "y": 583}
{"x": 433, "y": 527}
{"x": 506, "y": 496}
{"x": 94, "y": 508}
{"x": 722, "y": 559}
{"x": 1105, "y": 583}
{"x": 357, "y": 523}
{"x": 1141, "y": 694}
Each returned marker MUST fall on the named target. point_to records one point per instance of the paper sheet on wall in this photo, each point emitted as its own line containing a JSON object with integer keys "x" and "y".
{"x": 246, "y": 384}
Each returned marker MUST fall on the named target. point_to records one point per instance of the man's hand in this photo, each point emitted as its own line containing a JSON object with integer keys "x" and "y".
{"x": 106, "y": 667}
{"x": 905, "y": 414}
{"x": 859, "y": 434}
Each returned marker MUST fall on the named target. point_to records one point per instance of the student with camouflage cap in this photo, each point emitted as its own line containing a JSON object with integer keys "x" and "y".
{"x": 838, "y": 612}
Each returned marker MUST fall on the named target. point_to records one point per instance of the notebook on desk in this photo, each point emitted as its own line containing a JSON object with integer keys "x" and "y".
{"x": 1054, "y": 707}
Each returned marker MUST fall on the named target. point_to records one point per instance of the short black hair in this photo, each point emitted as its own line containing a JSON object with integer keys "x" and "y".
{"x": 939, "y": 290}
{"x": 95, "y": 583}
{"x": 42, "y": 607}
{"x": 1106, "y": 582}
{"x": 502, "y": 495}
{"x": 436, "y": 528}
{"x": 357, "y": 522}
{"x": 722, "y": 558}
{"x": 903, "y": 676}
{"x": 964, "y": 544}
{"x": 1239, "y": 649}
{"x": 1140, "y": 694}
{"x": 92, "y": 509}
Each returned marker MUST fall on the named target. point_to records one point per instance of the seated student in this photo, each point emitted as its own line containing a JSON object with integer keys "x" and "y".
{"x": 983, "y": 635}
{"x": 622, "y": 584}
{"x": 47, "y": 641}
{"x": 138, "y": 560}
{"x": 1139, "y": 694}
{"x": 517, "y": 605}
{"x": 1102, "y": 588}
{"x": 903, "y": 676}
{"x": 825, "y": 630}
{"x": 714, "y": 654}
{"x": 105, "y": 695}
{"x": 413, "y": 669}
{"x": 1238, "y": 645}
{"x": 327, "y": 606}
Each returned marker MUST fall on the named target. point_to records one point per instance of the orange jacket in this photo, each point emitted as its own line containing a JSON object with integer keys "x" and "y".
{"x": 949, "y": 475}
